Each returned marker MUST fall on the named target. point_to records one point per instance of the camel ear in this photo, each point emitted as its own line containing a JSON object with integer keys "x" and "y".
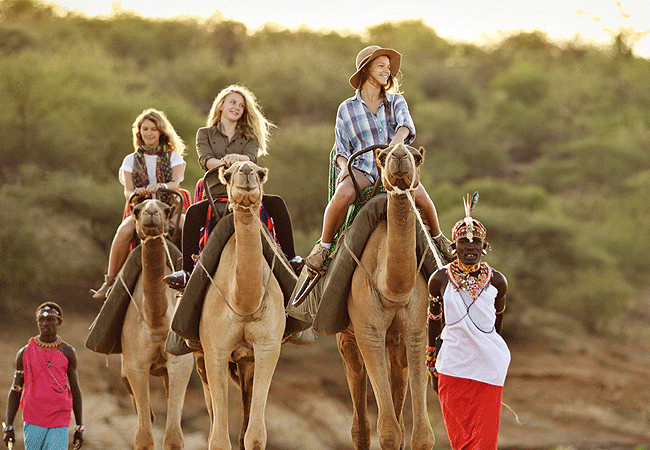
{"x": 135, "y": 210}
{"x": 224, "y": 175}
{"x": 263, "y": 174}
{"x": 422, "y": 151}
{"x": 380, "y": 156}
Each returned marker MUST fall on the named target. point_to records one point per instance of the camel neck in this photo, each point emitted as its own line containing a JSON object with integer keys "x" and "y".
{"x": 249, "y": 261}
{"x": 154, "y": 259}
{"x": 401, "y": 257}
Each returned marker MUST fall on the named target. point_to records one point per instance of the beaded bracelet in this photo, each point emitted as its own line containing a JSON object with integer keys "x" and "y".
{"x": 436, "y": 317}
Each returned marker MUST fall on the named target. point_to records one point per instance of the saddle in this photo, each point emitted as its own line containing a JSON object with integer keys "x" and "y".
{"x": 106, "y": 331}
{"x": 325, "y": 308}
{"x": 184, "y": 337}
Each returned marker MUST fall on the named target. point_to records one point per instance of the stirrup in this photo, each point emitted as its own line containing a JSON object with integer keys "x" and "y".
{"x": 307, "y": 286}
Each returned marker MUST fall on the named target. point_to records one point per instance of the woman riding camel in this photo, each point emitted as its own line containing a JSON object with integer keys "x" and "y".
{"x": 377, "y": 114}
{"x": 156, "y": 163}
{"x": 236, "y": 131}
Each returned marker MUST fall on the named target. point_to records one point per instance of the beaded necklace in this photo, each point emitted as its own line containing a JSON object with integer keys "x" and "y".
{"x": 42, "y": 344}
{"x": 460, "y": 276}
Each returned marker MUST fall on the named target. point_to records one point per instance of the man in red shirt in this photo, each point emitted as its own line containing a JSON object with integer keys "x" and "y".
{"x": 46, "y": 387}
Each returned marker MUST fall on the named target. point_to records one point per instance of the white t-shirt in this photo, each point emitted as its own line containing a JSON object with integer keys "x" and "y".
{"x": 471, "y": 347}
{"x": 150, "y": 160}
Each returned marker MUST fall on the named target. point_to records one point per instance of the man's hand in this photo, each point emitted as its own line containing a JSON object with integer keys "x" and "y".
{"x": 9, "y": 436}
{"x": 78, "y": 440}
{"x": 431, "y": 367}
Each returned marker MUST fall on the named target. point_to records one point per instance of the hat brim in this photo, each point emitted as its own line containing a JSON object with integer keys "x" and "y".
{"x": 394, "y": 58}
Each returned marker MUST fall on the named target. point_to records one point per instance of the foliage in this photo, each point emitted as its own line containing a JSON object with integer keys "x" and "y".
{"x": 553, "y": 135}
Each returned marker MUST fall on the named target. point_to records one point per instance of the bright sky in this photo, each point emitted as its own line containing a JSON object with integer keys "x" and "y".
{"x": 467, "y": 20}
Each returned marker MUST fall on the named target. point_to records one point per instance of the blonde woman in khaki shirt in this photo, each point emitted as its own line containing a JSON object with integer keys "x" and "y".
{"x": 236, "y": 130}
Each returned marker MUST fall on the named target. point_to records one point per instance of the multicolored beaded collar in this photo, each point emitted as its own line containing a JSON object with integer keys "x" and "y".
{"x": 460, "y": 276}
{"x": 42, "y": 344}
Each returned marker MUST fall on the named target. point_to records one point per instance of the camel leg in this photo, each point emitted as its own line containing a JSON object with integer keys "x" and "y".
{"x": 138, "y": 379}
{"x": 372, "y": 344}
{"x": 422, "y": 437}
{"x": 355, "y": 373}
{"x": 200, "y": 368}
{"x": 216, "y": 366}
{"x": 266, "y": 359}
{"x": 179, "y": 369}
{"x": 245, "y": 380}
{"x": 246, "y": 372}
{"x": 399, "y": 371}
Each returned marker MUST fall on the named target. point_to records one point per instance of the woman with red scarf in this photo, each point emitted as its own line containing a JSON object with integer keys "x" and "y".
{"x": 157, "y": 162}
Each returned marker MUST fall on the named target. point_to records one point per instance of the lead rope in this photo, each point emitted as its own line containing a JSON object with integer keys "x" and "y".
{"x": 255, "y": 214}
{"x": 395, "y": 190}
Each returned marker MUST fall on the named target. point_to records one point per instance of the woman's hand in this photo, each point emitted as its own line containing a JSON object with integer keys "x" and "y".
{"x": 232, "y": 158}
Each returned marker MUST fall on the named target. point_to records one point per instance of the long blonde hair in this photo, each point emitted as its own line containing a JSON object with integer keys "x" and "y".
{"x": 252, "y": 124}
{"x": 168, "y": 135}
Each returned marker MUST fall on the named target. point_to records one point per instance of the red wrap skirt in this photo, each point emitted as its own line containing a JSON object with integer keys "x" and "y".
{"x": 471, "y": 410}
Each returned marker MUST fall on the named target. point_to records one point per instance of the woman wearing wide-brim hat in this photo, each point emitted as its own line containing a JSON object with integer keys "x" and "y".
{"x": 376, "y": 114}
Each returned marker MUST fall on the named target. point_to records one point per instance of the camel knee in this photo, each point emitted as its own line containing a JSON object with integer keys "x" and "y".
{"x": 173, "y": 440}
{"x": 361, "y": 434}
{"x": 389, "y": 432}
{"x": 143, "y": 440}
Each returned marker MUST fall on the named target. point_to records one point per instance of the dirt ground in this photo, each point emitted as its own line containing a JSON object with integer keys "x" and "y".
{"x": 569, "y": 391}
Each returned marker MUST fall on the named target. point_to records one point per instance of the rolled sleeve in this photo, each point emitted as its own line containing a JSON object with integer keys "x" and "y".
{"x": 403, "y": 117}
{"x": 341, "y": 134}
{"x": 203, "y": 147}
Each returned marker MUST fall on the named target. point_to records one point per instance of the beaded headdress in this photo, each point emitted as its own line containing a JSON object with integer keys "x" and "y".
{"x": 47, "y": 310}
{"x": 469, "y": 227}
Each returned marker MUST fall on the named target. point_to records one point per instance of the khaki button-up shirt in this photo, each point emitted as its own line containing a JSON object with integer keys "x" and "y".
{"x": 212, "y": 143}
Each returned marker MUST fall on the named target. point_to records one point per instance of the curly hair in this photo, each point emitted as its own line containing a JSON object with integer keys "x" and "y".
{"x": 252, "y": 124}
{"x": 168, "y": 135}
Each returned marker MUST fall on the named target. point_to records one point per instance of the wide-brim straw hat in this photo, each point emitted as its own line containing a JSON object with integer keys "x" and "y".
{"x": 368, "y": 54}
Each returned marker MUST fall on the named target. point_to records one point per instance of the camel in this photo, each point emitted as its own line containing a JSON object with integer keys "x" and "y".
{"x": 145, "y": 329}
{"x": 243, "y": 320}
{"x": 387, "y": 306}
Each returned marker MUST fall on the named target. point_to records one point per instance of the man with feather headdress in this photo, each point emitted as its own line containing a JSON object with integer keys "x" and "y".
{"x": 467, "y": 357}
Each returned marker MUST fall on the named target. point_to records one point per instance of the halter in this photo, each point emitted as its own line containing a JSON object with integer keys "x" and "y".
{"x": 397, "y": 191}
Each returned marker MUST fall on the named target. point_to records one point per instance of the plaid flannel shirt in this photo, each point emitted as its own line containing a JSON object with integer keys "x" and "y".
{"x": 358, "y": 128}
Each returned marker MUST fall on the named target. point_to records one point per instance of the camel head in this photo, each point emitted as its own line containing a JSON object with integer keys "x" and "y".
{"x": 400, "y": 166}
{"x": 151, "y": 218}
{"x": 244, "y": 180}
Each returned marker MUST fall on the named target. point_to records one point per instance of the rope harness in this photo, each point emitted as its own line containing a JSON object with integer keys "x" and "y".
{"x": 394, "y": 190}
{"x": 276, "y": 256}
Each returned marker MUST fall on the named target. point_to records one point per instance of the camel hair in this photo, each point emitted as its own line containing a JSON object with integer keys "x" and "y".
{"x": 145, "y": 329}
{"x": 387, "y": 306}
{"x": 243, "y": 319}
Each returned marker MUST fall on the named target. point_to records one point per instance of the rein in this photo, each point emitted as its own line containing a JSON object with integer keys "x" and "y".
{"x": 409, "y": 194}
{"x": 276, "y": 256}
{"x": 396, "y": 191}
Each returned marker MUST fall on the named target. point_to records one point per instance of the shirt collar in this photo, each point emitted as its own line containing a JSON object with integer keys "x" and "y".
{"x": 389, "y": 97}
{"x": 237, "y": 134}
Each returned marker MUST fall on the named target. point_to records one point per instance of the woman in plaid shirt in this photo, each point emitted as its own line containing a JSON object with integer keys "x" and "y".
{"x": 377, "y": 114}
